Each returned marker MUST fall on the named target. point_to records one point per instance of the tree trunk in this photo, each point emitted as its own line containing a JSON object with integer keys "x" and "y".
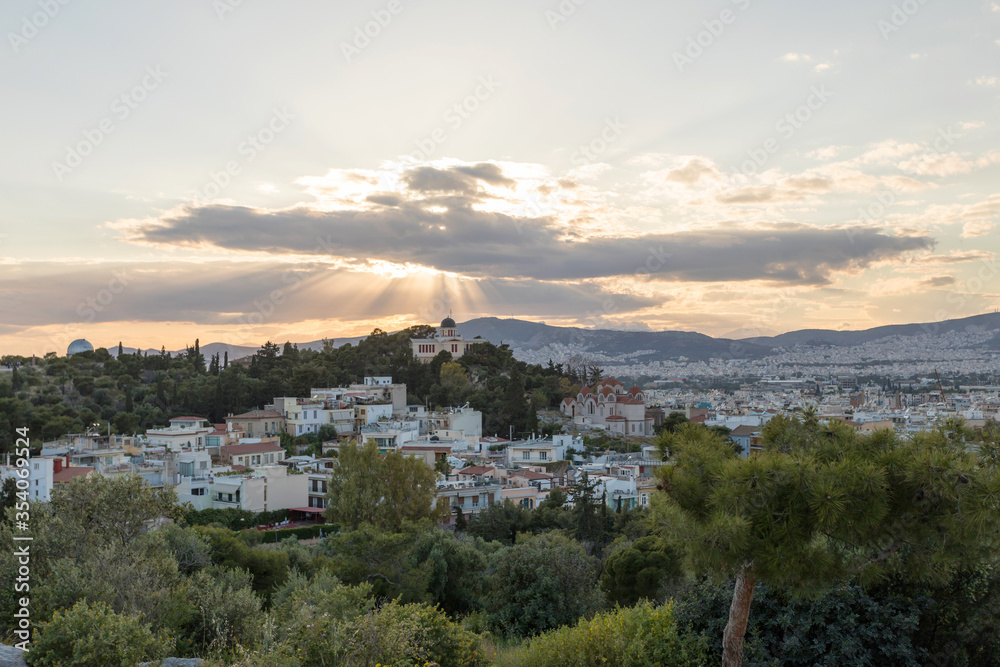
{"x": 739, "y": 615}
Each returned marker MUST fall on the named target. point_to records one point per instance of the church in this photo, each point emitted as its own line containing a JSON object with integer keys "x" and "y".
{"x": 610, "y": 406}
{"x": 446, "y": 340}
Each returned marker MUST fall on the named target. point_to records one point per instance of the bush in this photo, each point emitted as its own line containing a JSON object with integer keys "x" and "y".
{"x": 85, "y": 635}
{"x": 408, "y": 634}
{"x": 627, "y": 637}
{"x": 303, "y": 533}
{"x": 541, "y": 583}
{"x": 228, "y": 611}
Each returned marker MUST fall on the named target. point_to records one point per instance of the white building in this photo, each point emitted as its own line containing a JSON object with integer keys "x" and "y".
{"x": 446, "y": 340}
{"x": 610, "y": 406}
{"x": 183, "y": 433}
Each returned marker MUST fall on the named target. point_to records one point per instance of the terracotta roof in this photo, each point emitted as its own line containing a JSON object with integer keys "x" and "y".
{"x": 567, "y": 401}
{"x": 531, "y": 474}
{"x": 631, "y": 401}
{"x": 253, "y": 448}
{"x": 585, "y": 391}
{"x": 699, "y": 419}
{"x": 743, "y": 429}
{"x": 635, "y": 390}
{"x": 615, "y": 418}
{"x": 67, "y": 474}
{"x": 475, "y": 470}
{"x": 258, "y": 414}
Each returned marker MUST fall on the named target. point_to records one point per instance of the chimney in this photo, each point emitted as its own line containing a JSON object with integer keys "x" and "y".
{"x": 57, "y": 465}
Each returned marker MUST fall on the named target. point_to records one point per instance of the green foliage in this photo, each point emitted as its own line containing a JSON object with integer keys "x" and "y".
{"x": 847, "y": 626}
{"x": 95, "y": 635}
{"x": 301, "y": 533}
{"x": 381, "y": 490}
{"x": 413, "y": 634}
{"x": 540, "y": 583}
{"x": 500, "y": 522}
{"x": 626, "y": 637}
{"x": 267, "y": 567}
{"x": 228, "y": 612}
{"x": 639, "y": 571}
{"x": 824, "y": 503}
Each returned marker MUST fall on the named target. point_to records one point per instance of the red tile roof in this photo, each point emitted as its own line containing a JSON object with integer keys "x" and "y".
{"x": 253, "y": 448}
{"x": 67, "y": 474}
{"x": 531, "y": 474}
{"x": 475, "y": 470}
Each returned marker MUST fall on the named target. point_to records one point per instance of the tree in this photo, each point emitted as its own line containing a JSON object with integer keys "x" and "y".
{"x": 382, "y": 490}
{"x": 96, "y": 509}
{"x": 96, "y": 635}
{"x": 639, "y": 571}
{"x": 540, "y": 583}
{"x": 824, "y": 503}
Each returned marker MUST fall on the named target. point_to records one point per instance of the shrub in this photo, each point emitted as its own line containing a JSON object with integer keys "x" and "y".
{"x": 228, "y": 611}
{"x": 628, "y": 637}
{"x": 85, "y": 635}
{"x": 541, "y": 583}
{"x": 407, "y": 634}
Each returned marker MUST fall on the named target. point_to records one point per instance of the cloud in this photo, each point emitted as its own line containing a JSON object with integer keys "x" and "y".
{"x": 694, "y": 170}
{"x": 946, "y": 164}
{"x": 451, "y": 235}
{"x": 271, "y": 292}
{"x": 462, "y": 179}
{"x": 985, "y": 81}
{"x": 976, "y": 228}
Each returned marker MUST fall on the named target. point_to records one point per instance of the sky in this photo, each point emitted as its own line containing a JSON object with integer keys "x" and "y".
{"x": 241, "y": 170}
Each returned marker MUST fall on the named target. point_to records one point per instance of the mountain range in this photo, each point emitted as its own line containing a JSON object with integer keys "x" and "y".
{"x": 532, "y": 336}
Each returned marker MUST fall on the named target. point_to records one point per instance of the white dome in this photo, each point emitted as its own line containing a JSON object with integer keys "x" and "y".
{"x": 78, "y": 346}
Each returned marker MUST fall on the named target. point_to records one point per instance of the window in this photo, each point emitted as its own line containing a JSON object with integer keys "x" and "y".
{"x": 454, "y": 348}
{"x": 543, "y": 456}
{"x": 526, "y": 456}
{"x": 198, "y": 492}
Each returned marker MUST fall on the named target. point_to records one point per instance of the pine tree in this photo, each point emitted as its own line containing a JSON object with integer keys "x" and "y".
{"x": 16, "y": 380}
{"x": 121, "y": 350}
{"x": 824, "y": 503}
{"x": 225, "y": 360}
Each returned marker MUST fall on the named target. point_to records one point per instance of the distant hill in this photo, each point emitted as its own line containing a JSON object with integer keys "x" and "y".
{"x": 639, "y": 345}
{"x": 974, "y": 324}
{"x": 524, "y": 335}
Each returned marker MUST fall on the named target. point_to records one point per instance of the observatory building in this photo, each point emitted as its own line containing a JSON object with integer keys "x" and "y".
{"x": 78, "y": 346}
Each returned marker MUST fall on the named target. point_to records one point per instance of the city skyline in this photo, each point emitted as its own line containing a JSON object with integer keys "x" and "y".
{"x": 240, "y": 172}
